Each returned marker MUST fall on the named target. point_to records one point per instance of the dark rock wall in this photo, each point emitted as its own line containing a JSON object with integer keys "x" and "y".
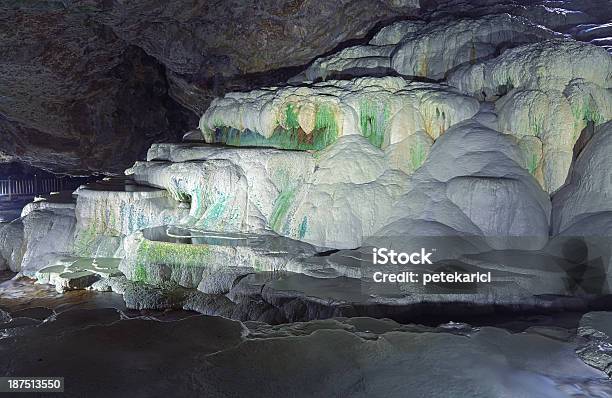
{"x": 87, "y": 86}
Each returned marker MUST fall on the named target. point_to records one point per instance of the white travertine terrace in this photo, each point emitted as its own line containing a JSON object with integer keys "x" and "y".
{"x": 414, "y": 48}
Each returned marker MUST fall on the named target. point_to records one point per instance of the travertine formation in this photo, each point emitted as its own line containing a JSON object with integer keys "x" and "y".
{"x": 550, "y": 91}
{"x": 583, "y": 206}
{"x": 386, "y": 111}
{"x": 273, "y": 214}
{"x": 428, "y": 50}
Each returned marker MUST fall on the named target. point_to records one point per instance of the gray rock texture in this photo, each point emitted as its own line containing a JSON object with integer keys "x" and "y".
{"x": 360, "y": 357}
{"x": 583, "y": 205}
{"x": 596, "y": 349}
{"x": 86, "y": 86}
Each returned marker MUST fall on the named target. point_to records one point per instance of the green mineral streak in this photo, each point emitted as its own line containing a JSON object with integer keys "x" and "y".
{"x": 290, "y": 137}
{"x": 177, "y": 194}
{"x": 302, "y": 228}
{"x": 291, "y": 118}
{"x": 537, "y": 125}
{"x": 373, "y": 120}
{"x": 218, "y": 122}
{"x": 85, "y": 240}
{"x": 588, "y": 112}
{"x": 281, "y": 138}
{"x": 592, "y": 115}
{"x": 532, "y": 165}
{"x": 326, "y": 129}
{"x": 281, "y": 207}
{"x": 140, "y": 274}
{"x": 171, "y": 254}
{"x": 103, "y": 223}
{"x": 197, "y": 204}
{"x": 417, "y": 155}
{"x": 215, "y": 211}
{"x": 281, "y": 177}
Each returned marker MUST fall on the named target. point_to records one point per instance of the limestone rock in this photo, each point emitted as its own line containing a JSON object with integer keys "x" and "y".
{"x": 4, "y": 316}
{"x": 232, "y": 189}
{"x": 138, "y": 295}
{"x": 583, "y": 205}
{"x": 429, "y": 50}
{"x": 221, "y": 280}
{"x": 78, "y": 99}
{"x": 348, "y": 198}
{"x": 92, "y": 85}
{"x": 552, "y": 103}
{"x": 259, "y": 189}
{"x": 596, "y": 351}
{"x": 472, "y": 184}
{"x": 385, "y": 110}
{"x": 193, "y": 136}
{"x": 442, "y": 46}
{"x": 394, "y": 33}
{"x": 589, "y": 32}
{"x": 185, "y": 257}
{"x": 109, "y": 210}
{"x": 11, "y": 245}
{"x": 546, "y": 65}
{"x": 46, "y": 234}
{"x": 44, "y": 231}
{"x": 70, "y": 273}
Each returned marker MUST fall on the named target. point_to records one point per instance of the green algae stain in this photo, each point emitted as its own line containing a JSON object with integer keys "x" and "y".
{"x": 216, "y": 210}
{"x": 587, "y": 112}
{"x": 197, "y": 204}
{"x": 281, "y": 207}
{"x": 140, "y": 274}
{"x": 417, "y": 155}
{"x": 303, "y": 228}
{"x": 171, "y": 254}
{"x": 326, "y": 127}
{"x": 176, "y": 193}
{"x": 85, "y": 240}
{"x": 291, "y": 117}
{"x": 373, "y": 121}
{"x": 532, "y": 164}
{"x": 290, "y": 135}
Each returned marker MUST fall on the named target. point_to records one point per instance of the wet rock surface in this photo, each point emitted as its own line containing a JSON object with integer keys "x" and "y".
{"x": 596, "y": 350}
{"x": 182, "y": 353}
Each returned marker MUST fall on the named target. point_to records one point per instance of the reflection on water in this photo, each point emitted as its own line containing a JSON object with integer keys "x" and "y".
{"x": 270, "y": 244}
{"x": 20, "y": 293}
{"x": 176, "y": 234}
{"x": 23, "y": 294}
